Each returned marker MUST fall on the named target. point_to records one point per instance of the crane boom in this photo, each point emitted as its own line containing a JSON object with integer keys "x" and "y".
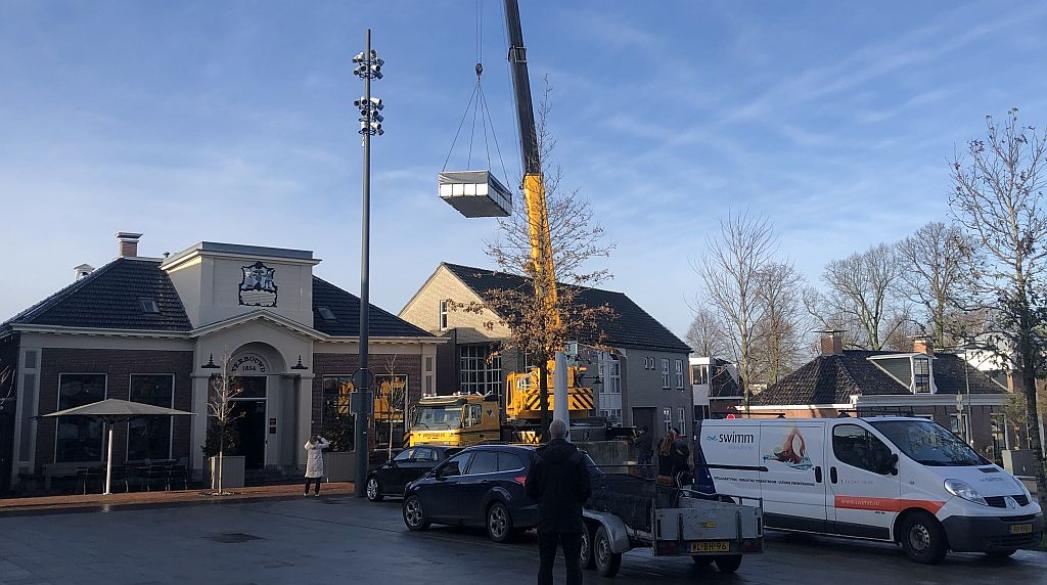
{"x": 533, "y": 182}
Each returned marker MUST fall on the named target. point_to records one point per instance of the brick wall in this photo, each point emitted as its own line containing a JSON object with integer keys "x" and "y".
{"x": 118, "y": 365}
{"x": 337, "y": 364}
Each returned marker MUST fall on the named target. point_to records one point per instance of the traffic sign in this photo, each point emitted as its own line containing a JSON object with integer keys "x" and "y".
{"x": 363, "y": 379}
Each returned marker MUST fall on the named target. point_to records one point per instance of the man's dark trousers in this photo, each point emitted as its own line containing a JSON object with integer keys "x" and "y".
{"x": 571, "y": 543}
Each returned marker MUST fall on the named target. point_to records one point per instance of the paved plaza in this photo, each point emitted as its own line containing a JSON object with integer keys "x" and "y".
{"x": 341, "y": 539}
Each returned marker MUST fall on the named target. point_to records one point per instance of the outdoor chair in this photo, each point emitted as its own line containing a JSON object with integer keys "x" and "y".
{"x": 177, "y": 474}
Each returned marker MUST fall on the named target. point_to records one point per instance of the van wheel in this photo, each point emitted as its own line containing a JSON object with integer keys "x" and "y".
{"x": 607, "y": 561}
{"x": 923, "y": 539}
{"x": 414, "y": 515}
{"x": 586, "y": 556}
{"x": 499, "y": 523}
{"x": 728, "y": 564}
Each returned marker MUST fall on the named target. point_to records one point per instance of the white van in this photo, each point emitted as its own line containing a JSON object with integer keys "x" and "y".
{"x": 896, "y": 479}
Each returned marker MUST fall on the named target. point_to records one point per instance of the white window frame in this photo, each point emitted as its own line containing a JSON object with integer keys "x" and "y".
{"x": 442, "y": 319}
{"x": 930, "y": 375}
{"x": 679, "y": 374}
{"x": 681, "y": 412}
{"x": 1003, "y": 426}
{"x": 170, "y": 439}
{"x": 58, "y": 406}
{"x": 667, "y": 418}
{"x": 665, "y": 374}
{"x": 490, "y": 372}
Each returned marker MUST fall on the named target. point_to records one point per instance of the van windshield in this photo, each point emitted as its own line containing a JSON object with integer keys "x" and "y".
{"x": 928, "y": 443}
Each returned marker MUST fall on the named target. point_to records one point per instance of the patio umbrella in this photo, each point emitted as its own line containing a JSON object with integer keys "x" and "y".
{"x": 112, "y": 411}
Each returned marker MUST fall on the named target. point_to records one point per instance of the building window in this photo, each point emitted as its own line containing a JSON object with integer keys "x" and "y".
{"x": 443, "y": 315}
{"x": 959, "y": 424}
{"x": 613, "y": 384}
{"x": 1000, "y": 440}
{"x": 428, "y": 363}
{"x": 148, "y": 305}
{"x": 79, "y": 438}
{"x": 699, "y": 374}
{"x": 336, "y": 417}
{"x": 390, "y": 403}
{"x": 326, "y": 313}
{"x": 665, "y": 373}
{"x": 921, "y": 375}
{"x": 478, "y": 370}
{"x": 681, "y": 421}
{"x": 667, "y": 419}
{"x": 28, "y": 404}
{"x": 149, "y": 437}
{"x": 679, "y": 374}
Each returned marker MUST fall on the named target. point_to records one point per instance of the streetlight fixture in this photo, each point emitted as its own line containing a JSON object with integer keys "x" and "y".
{"x": 368, "y": 67}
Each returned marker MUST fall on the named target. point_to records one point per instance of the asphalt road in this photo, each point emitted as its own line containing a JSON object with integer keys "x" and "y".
{"x": 344, "y": 540}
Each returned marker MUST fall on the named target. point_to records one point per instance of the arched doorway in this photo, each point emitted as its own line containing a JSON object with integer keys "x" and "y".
{"x": 251, "y": 370}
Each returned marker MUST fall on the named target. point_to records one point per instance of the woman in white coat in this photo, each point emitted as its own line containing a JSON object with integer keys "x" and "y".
{"x": 314, "y": 462}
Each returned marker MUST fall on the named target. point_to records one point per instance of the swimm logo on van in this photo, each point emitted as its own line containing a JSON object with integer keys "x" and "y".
{"x": 733, "y": 438}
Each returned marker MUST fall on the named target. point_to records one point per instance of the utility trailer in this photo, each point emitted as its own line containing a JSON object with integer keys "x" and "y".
{"x": 628, "y": 512}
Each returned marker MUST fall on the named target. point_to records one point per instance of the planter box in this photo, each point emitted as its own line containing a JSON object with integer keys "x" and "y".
{"x": 340, "y": 465}
{"x": 232, "y": 471}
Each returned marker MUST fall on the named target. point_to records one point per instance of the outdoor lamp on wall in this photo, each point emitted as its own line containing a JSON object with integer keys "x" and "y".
{"x": 299, "y": 365}
{"x": 210, "y": 365}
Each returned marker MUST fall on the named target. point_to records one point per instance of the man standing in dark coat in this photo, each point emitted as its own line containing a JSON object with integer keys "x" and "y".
{"x": 559, "y": 481}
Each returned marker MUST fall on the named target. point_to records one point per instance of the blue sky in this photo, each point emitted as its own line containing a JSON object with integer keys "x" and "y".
{"x": 233, "y": 121}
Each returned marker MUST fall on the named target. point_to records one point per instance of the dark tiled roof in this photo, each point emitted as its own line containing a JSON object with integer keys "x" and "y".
{"x": 833, "y": 379}
{"x": 109, "y": 298}
{"x": 346, "y": 309}
{"x": 631, "y": 326}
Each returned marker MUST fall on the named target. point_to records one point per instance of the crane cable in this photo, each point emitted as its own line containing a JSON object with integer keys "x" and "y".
{"x": 478, "y": 106}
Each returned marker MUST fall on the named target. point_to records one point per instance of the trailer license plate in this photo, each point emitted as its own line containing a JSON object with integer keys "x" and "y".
{"x": 1021, "y": 529}
{"x": 713, "y": 546}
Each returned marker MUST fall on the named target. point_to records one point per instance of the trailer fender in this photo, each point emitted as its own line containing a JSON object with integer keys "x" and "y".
{"x": 616, "y": 529}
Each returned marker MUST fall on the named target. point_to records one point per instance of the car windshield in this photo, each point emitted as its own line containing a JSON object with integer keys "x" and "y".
{"x": 928, "y": 443}
{"x": 437, "y": 418}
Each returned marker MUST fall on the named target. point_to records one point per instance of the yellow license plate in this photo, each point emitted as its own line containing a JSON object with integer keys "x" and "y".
{"x": 1021, "y": 529}
{"x": 713, "y": 546}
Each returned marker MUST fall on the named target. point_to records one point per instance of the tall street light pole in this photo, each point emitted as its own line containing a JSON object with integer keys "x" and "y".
{"x": 368, "y": 67}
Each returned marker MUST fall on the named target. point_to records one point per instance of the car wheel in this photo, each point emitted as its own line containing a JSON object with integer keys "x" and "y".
{"x": 414, "y": 515}
{"x": 607, "y": 561}
{"x": 586, "y": 556}
{"x": 374, "y": 489}
{"x": 1000, "y": 555}
{"x": 923, "y": 539}
{"x": 728, "y": 564}
{"x": 499, "y": 523}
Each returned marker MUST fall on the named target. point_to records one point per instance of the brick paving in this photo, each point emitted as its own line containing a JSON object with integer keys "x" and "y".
{"x": 12, "y": 506}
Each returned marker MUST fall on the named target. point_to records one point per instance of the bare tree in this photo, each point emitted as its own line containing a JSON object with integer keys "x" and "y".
{"x": 394, "y": 398}
{"x": 997, "y": 201}
{"x": 708, "y": 335}
{"x": 778, "y": 343}
{"x": 730, "y": 273}
{"x": 862, "y": 296}
{"x": 7, "y": 387}
{"x": 934, "y": 274}
{"x": 221, "y": 408}
{"x": 537, "y": 328}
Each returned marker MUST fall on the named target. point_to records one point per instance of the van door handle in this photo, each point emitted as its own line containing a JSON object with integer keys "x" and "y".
{"x": 832, "y": 474}
{"x": 817, "y": 474}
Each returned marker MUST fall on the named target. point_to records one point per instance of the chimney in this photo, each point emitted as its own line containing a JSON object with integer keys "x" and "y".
{"x": 82, "y": 271}
{"x": 832, "y": 342}
{"x": 128, "y": 244}
{"x": 923, "y": 345}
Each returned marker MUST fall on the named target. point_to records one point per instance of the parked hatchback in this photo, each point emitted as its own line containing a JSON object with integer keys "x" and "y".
{"x": 407, "y": 466}
{"x": 482, "y": 486}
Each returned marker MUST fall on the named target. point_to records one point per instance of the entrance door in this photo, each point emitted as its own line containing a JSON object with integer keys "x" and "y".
{"x": 249, "y": 420}
{"x": 7, "y": 429}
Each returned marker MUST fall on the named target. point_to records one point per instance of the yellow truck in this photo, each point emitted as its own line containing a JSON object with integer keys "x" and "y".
{"x": 461, "y": 420}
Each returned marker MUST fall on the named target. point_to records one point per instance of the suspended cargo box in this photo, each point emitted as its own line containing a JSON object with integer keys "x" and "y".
{"x": 476, "y": 194}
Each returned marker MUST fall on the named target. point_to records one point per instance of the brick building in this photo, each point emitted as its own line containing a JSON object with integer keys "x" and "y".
{"x": 642, "y": 381}
{"x": 939, "y": 386}
{"x": 153, "y": 330}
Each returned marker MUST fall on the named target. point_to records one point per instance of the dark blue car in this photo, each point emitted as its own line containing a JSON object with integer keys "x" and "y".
{"x": 482, "y": 486}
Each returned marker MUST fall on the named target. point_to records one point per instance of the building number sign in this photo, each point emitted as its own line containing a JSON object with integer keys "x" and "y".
{"x": 248, "y": 364}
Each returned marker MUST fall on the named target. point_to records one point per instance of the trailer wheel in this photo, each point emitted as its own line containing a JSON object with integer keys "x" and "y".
{"x": 586, "y": 556}
{"x": 728, "y": 564}
{"x": 607, "y": 561}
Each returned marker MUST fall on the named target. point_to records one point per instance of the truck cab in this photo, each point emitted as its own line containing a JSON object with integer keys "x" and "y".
{"x": 457, "y": 421}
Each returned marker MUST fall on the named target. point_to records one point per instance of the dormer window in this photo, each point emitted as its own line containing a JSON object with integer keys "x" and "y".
{"x": 921, "y": 375}
{"x": 326, "y": 313}
{"x": 148, "y": 305}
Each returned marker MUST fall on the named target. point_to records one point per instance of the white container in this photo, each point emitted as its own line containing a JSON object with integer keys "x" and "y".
{"x": 475, "y": 193}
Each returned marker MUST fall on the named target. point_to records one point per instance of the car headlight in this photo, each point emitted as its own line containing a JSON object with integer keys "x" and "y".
{"x": 962, "y": 489}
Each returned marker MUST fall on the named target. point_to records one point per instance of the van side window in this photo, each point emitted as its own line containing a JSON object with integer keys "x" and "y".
{"x": 855, "y": 446}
